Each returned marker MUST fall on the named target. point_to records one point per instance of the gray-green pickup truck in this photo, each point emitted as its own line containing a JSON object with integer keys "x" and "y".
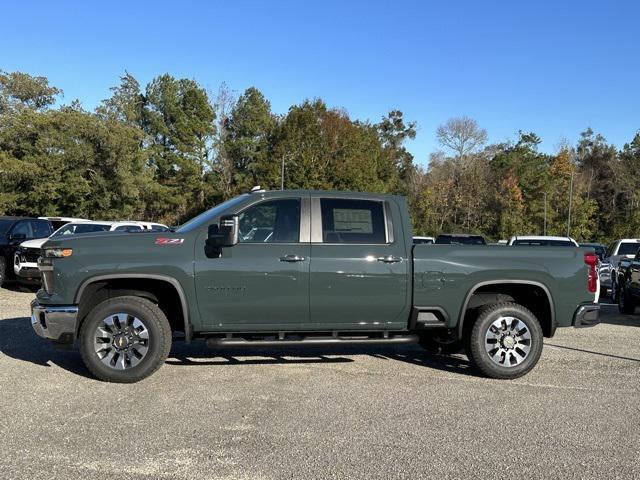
{"x": 289, "y": 268}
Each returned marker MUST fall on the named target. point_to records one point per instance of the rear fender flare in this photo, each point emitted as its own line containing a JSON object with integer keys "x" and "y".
{"x": 473, "y": 289}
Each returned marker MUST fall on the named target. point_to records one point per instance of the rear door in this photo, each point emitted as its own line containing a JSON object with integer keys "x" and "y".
{"x": 359, "y": 272}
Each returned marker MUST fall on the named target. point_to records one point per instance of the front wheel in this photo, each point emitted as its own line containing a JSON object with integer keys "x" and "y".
{"x": 125, "y": 339}
{"x": 505, "y": 341}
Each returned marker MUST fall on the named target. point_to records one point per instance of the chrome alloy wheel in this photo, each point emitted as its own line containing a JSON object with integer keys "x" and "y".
{"x": 121, "y": 341}
{"x": 508, "y": 341}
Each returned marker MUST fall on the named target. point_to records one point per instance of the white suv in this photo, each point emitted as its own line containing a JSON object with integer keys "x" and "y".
{"x": 25, "y": 259}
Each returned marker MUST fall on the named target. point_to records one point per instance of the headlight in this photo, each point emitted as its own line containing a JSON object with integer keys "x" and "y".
{"x": 57, "y": 252}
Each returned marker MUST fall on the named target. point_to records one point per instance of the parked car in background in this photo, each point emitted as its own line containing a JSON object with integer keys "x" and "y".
{"x": 460, "y": 239}
{"x": 623, "y": 249}
{"x": 14, "y": 231}
{"x": 542, "y": 241}
{"x": 25, "y": 259}
{"x": 423, "y": 240}
{"x": 598, "y": 247}
{"x": 57, "y": 222}
{"x": 629, "y": 284}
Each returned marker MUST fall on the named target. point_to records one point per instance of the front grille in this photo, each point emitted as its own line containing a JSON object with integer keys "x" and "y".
{"x": 30, "y": 255}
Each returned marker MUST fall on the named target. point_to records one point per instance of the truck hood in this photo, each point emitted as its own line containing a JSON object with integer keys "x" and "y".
{"x": 35, "y": 243}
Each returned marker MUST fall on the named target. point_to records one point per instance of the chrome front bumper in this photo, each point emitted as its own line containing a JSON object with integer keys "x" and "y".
{"x": 54, "y": 322}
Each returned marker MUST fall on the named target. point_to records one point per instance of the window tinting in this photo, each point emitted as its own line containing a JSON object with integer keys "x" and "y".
{"x": 276, "y": 221}
{"x": 352, "y": 221}
{"x": 628, "y": 248}
{"x": 41, "y": 228}
{"x": 460, "y": 240}
{"x": 23, "y": 228}
{"x": 544, "y": 243}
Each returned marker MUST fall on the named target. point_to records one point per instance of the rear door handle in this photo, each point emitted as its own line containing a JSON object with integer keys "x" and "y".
{"x": 292, "y": 258}
{"x": 389, "y": 259}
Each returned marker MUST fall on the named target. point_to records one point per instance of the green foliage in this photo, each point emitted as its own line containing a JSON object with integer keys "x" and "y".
{"x": 167, "y": 151}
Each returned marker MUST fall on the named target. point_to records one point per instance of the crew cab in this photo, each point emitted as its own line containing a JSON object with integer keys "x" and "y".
{"x": 325, "y": 268}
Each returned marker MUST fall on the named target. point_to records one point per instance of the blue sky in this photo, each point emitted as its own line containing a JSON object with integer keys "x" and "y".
{"x": 552, "y": 67}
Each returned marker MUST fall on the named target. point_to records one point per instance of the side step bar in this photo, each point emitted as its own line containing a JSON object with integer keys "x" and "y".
{"x": 229, "y": 341}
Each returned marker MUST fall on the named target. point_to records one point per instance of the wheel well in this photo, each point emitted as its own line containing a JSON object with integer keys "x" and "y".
{"x": 160, "y": 292}
{"x": 532, "y": 296}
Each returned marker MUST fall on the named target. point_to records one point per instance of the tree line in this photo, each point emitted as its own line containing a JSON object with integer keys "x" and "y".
{"x": 171, "y": 149}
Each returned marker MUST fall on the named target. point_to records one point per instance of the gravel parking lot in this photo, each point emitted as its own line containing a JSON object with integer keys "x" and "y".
{"x": 370, "y": 413}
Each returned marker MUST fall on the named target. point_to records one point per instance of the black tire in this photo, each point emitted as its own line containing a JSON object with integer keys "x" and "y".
{"x": 3, "y": 270}
{"x": 603, "y": 291}
{"x": 488, "y": 364}
{"x": 158, "y": 343}
{"x": 440, "y": 342}
{"x": 626, "y": 304}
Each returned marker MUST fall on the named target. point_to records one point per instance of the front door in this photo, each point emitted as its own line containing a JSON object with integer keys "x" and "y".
{"x": 261, "y": 283}
{"x": 359, "y": 265}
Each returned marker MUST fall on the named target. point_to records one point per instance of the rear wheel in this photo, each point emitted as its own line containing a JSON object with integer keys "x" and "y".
{"x": 615, "y": 294}
{"x": 3, "y": 270}
{"x": 125, "y": 339}
{"x": 505, "y": 341}
{"x": 626, "y": 303}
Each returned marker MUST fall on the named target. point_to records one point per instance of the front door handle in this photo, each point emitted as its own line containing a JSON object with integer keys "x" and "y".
{"x": 389, "y": 259}
{"x": 292, "y": 258}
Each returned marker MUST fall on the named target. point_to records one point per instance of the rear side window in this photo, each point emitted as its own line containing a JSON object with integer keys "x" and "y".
{"x": 460, "y": 240}
{"x": 41, "y": 228}
{"x": 353, "y": 221}
{"x": 128, "y": 228}
{"x": 628, "y": 248}
{"x": 544, "y": 243}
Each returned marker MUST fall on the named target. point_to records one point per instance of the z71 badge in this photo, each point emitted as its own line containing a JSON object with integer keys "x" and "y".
{"x": 169, "y": 241}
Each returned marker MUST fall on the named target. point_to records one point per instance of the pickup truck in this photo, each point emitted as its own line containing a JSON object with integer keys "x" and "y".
{"x": 628, "y": 282}
{"x": 284, "y": 268}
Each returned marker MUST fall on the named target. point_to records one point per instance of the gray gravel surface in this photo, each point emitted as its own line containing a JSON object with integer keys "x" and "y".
{"x": 353, "y": 413}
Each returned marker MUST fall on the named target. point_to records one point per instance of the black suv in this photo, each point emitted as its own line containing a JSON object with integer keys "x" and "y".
{"x": 14, "y": 231}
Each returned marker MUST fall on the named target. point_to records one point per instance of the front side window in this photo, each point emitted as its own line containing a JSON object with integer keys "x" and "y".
{"x": 276, "y": 221}
{"x": 352, "y": 221}
{"x": 23, "y": 228}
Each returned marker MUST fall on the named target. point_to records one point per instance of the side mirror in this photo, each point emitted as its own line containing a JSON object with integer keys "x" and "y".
{"x": 18, "y": 236}
{"x": 223, "y": 235}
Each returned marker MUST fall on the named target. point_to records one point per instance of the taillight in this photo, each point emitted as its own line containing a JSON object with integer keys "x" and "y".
{"x": 591, "y": 259}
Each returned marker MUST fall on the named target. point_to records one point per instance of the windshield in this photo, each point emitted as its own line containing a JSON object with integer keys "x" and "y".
{"x": 628, "y": 248}
{"x": 4, "y": 226}
{"x": 205, "y": 217}
{"x": 544, "y": 243}
{"x": 76, "y": 228}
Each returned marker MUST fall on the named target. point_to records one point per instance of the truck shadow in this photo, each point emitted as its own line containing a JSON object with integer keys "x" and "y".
{"x": 18, "y": 341}
{"x": 198, "y": 354}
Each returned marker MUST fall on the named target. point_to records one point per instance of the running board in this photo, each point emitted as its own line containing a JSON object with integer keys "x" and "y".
{"x": 230, "y": 341}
